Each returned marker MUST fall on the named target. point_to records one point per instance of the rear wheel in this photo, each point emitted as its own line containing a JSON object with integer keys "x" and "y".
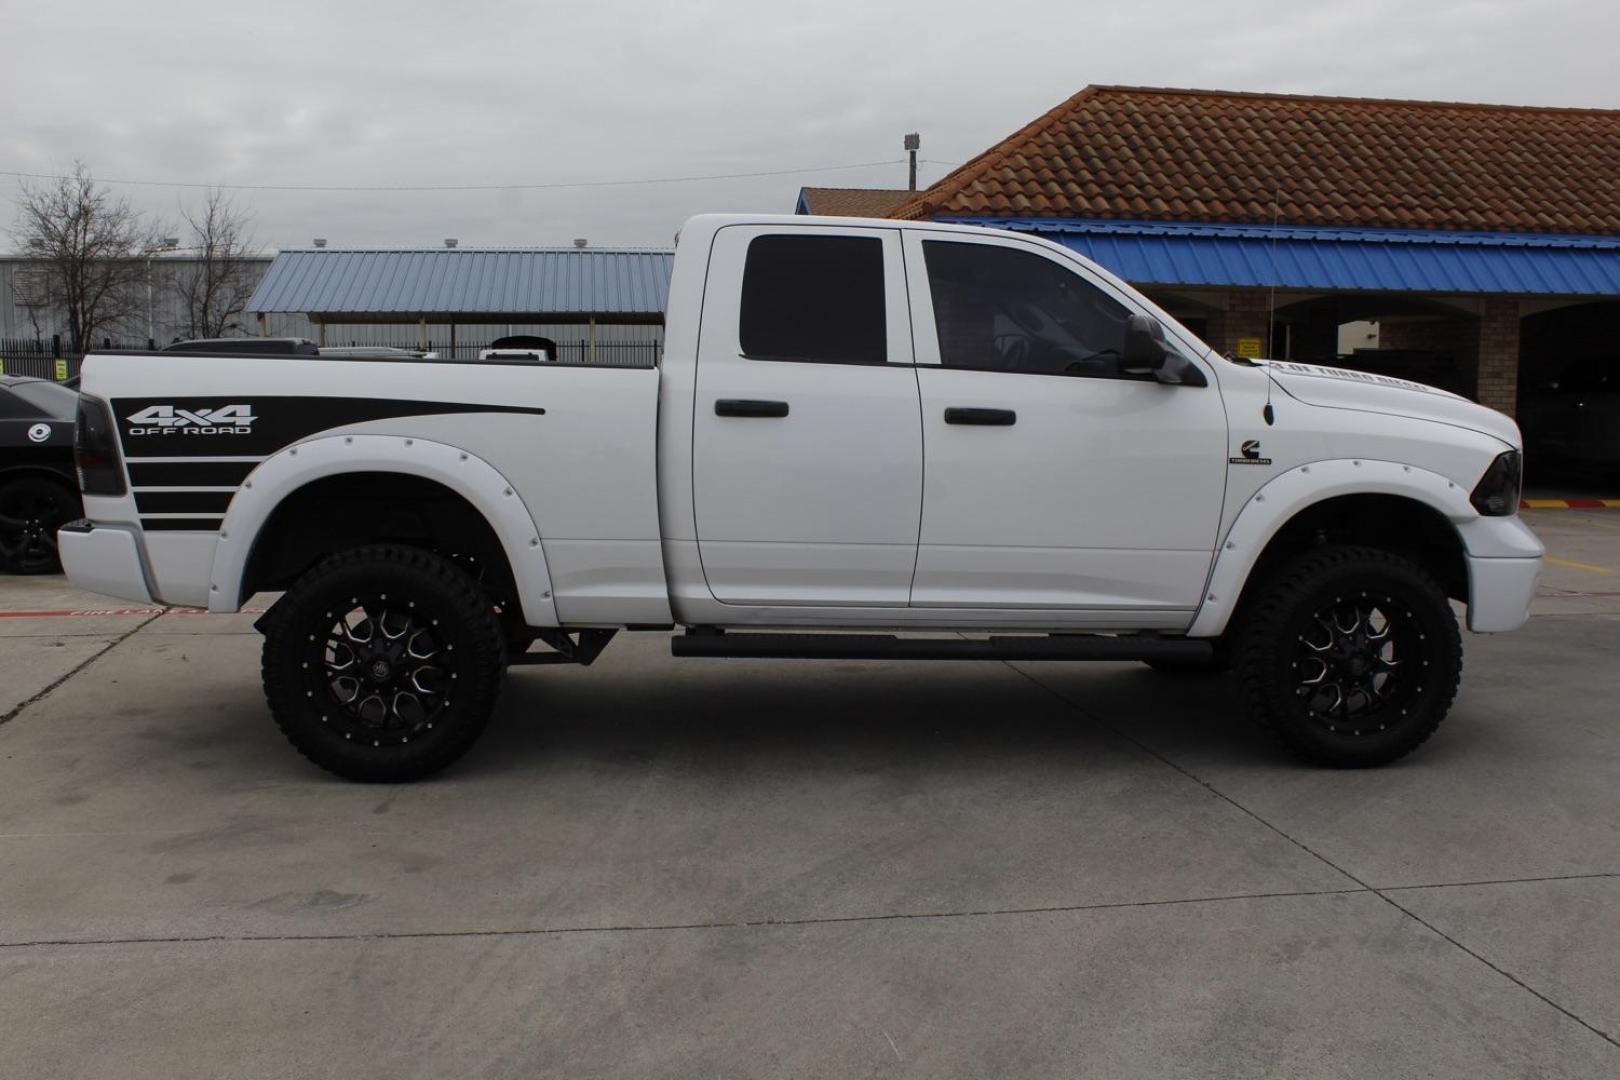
{"x": 1349, "y": 656}
{"x": 383, "y": 663}
{"x": 32, "y": 508}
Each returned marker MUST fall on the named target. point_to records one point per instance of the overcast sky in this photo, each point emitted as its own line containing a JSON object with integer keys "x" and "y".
{"x": 405, "y": 92}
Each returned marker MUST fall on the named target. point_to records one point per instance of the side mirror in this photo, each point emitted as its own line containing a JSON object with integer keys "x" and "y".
{"x": 1145, "y": 350}
{"x": 1147, "y": 353}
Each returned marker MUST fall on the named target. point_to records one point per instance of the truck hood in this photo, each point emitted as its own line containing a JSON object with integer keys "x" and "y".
{"x": 1339, "y": 388}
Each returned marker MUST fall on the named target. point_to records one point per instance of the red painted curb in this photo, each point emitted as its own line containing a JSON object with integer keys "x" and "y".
{"x": 1578, "y": 502}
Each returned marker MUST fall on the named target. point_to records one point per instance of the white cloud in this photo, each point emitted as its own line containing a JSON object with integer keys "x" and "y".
{"x": 411, "y": 92}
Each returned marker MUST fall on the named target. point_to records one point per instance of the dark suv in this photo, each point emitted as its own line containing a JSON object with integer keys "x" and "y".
{"x": 39, "y": 490}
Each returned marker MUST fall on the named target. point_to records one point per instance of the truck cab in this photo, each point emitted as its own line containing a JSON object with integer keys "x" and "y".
{"x": 857, "y": 427}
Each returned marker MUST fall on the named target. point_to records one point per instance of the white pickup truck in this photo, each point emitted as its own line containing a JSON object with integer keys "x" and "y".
{"x": 976, "y": 439}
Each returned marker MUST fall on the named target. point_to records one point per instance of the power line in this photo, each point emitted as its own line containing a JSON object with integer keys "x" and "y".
{"x": 462, "y": 187}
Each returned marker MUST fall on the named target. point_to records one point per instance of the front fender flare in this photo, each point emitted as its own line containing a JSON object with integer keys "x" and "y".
{"x": 475, "y": 479}
{"x": 1284, "y": 496}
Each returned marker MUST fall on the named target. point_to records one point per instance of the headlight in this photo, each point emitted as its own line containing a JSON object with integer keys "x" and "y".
{"x": 1497, "y": 493}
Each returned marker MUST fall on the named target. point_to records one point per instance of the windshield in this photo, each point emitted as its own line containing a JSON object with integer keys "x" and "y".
{"x": 57, "y": 402}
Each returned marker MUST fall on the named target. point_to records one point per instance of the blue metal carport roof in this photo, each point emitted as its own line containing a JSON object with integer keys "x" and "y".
{"x": 469, "y": 283}
{"x": 1365, "y": 260}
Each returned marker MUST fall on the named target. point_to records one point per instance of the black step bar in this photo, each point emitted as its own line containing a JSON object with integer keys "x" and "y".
{"x": 712, "y": 643}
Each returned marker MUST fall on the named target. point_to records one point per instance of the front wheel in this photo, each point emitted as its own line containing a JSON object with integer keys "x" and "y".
{"x": 1349, "y": 656}
{"x": 382, "y": 664}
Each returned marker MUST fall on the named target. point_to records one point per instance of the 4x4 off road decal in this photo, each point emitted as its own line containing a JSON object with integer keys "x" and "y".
{"x": 230, "y": 427}
{"x": 225, "y": 420}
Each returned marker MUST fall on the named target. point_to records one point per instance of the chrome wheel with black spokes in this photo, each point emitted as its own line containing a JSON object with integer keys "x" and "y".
{"x": 1357, "y": 658}
{"x": 383, "y": 663}
{"x": 382, "y": 670}
{"x": 1349, "y": 656}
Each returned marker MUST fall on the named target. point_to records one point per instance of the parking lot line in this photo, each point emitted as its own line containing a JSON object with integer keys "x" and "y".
{"x": 1573, "y": 565}
{"x": 1592, "y": 524}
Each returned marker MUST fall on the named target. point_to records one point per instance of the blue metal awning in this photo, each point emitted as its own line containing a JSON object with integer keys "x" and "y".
{"x": 1366, "y": 260}
{"x": 467, "y": 283}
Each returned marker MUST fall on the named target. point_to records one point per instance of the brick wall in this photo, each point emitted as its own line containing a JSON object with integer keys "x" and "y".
{"x": 1247, "y": 313}
{"x": 1498, "y": 384}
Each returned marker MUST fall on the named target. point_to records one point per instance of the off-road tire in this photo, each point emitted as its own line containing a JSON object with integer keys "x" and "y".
{"x": 1284, "y": 652}
{"x": 415, "y": 701}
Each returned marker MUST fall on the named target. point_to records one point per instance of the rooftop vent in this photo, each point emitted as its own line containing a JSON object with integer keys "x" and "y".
{"x": 320, "y": 241}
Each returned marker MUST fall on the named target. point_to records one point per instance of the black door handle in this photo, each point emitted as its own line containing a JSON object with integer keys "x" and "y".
{"x": 987, "y": 417}
{"x": 746, "y": 407}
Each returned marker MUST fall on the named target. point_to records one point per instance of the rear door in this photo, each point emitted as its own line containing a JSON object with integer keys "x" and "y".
{"x": 807, "y": 440}
{"x": 1054, "y": 480}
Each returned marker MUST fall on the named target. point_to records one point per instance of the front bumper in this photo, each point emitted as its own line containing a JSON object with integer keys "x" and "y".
{"x": 1504, "y": 562}
{"x": 103, "y": 559}
{"x": 1499, "y": 593}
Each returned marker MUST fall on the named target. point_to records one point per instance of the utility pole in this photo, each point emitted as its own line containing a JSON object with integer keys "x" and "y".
{"x": 913, "y": 143}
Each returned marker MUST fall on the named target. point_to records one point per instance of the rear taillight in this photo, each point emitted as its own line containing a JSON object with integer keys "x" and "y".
{"x": 95, "y": 448}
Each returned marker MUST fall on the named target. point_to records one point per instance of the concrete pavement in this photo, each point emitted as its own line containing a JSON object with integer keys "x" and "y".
{"x": 712, "y": 868}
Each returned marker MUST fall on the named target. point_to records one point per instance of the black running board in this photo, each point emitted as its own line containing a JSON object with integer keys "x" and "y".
{"x": 890, "y": 647}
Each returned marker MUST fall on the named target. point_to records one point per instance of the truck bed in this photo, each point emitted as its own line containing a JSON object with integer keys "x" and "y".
{"x": 574, "y": 443}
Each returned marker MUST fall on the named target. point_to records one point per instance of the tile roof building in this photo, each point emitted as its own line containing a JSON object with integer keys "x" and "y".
{"x": 1460, "y": 228}
{"x": 850, "y": 202}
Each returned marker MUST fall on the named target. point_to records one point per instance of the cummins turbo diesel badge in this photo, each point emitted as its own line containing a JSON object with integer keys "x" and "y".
{"x": 1250, "y": 451}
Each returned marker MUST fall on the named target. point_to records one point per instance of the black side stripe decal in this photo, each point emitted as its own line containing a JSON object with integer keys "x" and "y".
{"x": 182, "y": 502}
{"x": 189, "y": 473}
{"x": 254, "y": 426}
{"x": 211, "y": 524}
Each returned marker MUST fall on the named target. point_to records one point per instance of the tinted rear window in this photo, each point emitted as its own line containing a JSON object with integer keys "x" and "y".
{"x": 816, "y": 298}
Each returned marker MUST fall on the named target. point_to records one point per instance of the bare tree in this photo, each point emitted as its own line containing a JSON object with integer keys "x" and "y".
{"x": 86, "y": 246}
{"x": 214, "y": 286}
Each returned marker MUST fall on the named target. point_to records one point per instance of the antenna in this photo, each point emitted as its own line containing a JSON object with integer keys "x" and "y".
{"x": 1269, "y": 413}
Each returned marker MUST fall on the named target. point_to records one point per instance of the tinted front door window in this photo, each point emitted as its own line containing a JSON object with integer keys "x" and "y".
{"x": 999, "y": 309}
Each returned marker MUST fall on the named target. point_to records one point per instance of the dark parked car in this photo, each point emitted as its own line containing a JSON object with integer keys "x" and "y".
{"x": 39, "y": 489}
{"x": 262, "y": 346}
{"x": 1574, "y": 418}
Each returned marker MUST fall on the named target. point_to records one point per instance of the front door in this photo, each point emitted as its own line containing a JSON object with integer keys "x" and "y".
{"x": 1053, "y": 480}
{"x": 807, "y": 443}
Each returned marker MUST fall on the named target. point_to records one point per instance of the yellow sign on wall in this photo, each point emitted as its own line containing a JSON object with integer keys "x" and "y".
{"x": 61, "y": 370}
{"x": 1249, "y": 348}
